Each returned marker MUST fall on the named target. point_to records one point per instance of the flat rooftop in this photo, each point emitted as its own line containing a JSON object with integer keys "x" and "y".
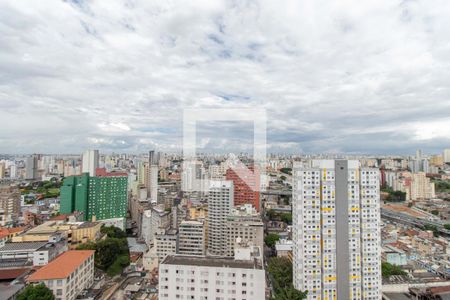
{"x": 219, "y": 262}
{"x": 22, "y": 246}
{"x": 396, "y": 296}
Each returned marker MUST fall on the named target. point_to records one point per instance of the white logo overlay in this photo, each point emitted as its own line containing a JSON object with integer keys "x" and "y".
{"x": 194, "y": 177}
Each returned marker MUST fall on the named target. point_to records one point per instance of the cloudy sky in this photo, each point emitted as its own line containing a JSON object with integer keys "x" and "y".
{"x": 341, "y": 76}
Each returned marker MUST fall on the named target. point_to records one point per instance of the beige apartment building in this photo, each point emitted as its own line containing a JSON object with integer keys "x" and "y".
{"x": 68, "y": 274}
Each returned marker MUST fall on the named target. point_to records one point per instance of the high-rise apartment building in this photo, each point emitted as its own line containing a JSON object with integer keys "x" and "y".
{"x": 2, "y": 170}
{"x": 220, "y": 202}
{"x": 98, "y": 198}
{"x": 244, "y": 225}
{"x": 90, "y": 162}
{"x": 31, "y": 167}
{"x": 10, "y": 202}
{"x": 246, "y": 186}
{"x": 421, "y": 187}
{"x": 447, "y": 156}
{"x": 336, "y": 231}
{"x": 191, "y": 238}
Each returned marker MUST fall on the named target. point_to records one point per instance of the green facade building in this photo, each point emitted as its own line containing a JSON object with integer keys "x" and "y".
{"x": 102, "y": 197}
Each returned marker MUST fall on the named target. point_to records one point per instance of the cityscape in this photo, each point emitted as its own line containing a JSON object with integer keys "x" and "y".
{"x": 121, "y": 226}
{"x": 224, "y": 150}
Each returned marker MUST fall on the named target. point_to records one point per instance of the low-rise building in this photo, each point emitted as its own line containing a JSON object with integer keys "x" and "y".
{"x": 68, "y": 274}
{"x": 284, "y": 247}
{"x": 193, "y": 277}
{"x": 394, "y": 256}
{"x": 74, "y": 232}
{"x": 166, "y": 243}
{"x": 39, "y": 253}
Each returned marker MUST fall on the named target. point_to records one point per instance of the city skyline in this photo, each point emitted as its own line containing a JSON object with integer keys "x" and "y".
{"x": 347, "y": 77}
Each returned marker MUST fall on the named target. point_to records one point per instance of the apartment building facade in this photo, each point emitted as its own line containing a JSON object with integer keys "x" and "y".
{"x": 191, "y": 238}
{"x": 68, "y": 274}
{"x": 203, "y": 278}
{"x": 336, "y": 231}
{"x": 220, "y": 202}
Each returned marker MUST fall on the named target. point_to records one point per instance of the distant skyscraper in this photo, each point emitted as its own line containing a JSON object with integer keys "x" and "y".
{"x": 336, "y": 231}
{"x": 245, "y": 189}
{"x": 154, "y": 183}
{"x": 447, "y": 156}
{"x": 153, "y": 157}
{"x": 31, "y": 167}
{"x": 13, "y": 171}
{"x": 152, "y": 170}
{"x": 220, "y": 202}
{"x": 2, "y": 170}
{"x": 90, "y": 162}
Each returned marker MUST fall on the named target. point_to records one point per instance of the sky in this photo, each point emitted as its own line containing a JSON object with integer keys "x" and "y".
{"x": 343, "y": 76}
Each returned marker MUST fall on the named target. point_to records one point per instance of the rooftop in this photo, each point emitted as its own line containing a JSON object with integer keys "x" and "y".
{"x": 62, "y": 266}
{"x": 22, "y": 246}
{"x": 88, "y": 224}
{"x": 220, "y": 262}
{"x": 8, "y": 291}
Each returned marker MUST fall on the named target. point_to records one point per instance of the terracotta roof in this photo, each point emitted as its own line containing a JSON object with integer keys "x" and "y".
{"x": 62, "y": 266}
{"x": 59, "y": 217}
{"x": 7, "y": 231}
{"x": 439, "y": 289}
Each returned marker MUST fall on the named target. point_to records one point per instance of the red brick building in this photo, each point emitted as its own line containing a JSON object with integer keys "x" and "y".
{"x": 246, "y": 186}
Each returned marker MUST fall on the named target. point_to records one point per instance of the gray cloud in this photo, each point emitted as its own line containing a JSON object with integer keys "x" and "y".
{"x": 334, "y": 76}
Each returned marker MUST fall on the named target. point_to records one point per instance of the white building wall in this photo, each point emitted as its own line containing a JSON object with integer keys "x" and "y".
{"x": 90, "y": 162}
{"x": 202, "y": 283}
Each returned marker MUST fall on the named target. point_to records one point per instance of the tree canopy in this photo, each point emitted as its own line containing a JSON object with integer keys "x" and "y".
{"x": 280, "y": 269}
{"x": 111, "y": 254}
{"x": 36, "y": 292}
{"x": 271, "y": 239}
{"x": 114, "y": 232}
{"x": 388, "y": 269}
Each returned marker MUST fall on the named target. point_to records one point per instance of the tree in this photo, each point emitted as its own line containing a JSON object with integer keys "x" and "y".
{"x": 290, "y": 293}
{"x": 286, "y": 171}
{"x": 108, "y": 251}
{"x": 432, "y": 228}
{"x": 36, "y": 292}
{"x": 271, "y": 214}
{"x": 271, "y": 239}
{"x": 435, "y": 212}
{"x": 280, "y": 269}
{"x": 447, "y": 226}
{"x": 87, "y": 246}
{"x": 287, "y": 218}
{"x": 114, "y": 232}
{"x": 388, "y": 269}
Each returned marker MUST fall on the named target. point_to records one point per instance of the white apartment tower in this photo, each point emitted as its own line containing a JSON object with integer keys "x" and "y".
{"x": 336, "y": 232}
{"x": 446, "y": 156}
{"x": 90, "y": 162}
{"x": 220, "y": 202}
